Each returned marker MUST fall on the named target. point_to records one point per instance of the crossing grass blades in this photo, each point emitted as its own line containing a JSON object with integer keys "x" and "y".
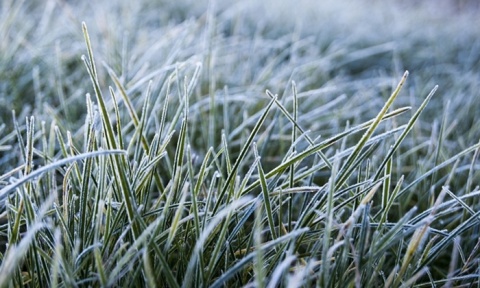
{"x": 133, "y": 202}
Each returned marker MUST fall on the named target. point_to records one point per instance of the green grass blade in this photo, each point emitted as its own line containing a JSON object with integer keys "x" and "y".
{"x": 266, "y": 194}
{"x": 7, "y": 190}
{"x": 245, "y": 261}
{"x": 223, "y": 213}
{"x": 438, "y": 167}
{"x": 241, "y": 156}
{"x": 404, "y": 134}
{"x": 342, "y": 174}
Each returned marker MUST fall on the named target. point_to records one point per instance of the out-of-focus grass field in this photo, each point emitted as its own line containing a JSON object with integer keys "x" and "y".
{"x": 239, "y": 143}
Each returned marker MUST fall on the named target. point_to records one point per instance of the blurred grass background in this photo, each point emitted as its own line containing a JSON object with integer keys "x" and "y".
{"x": 358, "y": 44}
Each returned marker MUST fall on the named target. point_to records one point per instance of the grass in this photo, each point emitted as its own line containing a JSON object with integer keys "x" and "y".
{"x": 239, "y": 144}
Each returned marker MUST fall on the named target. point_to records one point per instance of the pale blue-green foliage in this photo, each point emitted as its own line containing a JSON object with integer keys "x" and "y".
{"x": 239, "y": 143}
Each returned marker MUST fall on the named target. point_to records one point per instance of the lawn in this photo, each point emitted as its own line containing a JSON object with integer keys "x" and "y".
{"x": 239, "y": 143}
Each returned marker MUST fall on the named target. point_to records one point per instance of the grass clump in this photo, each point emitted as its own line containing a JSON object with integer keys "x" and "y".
{"x": 188, "y": 171}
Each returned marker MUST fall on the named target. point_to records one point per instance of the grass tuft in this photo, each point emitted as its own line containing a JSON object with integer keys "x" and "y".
{"x": 217, "y": 148}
